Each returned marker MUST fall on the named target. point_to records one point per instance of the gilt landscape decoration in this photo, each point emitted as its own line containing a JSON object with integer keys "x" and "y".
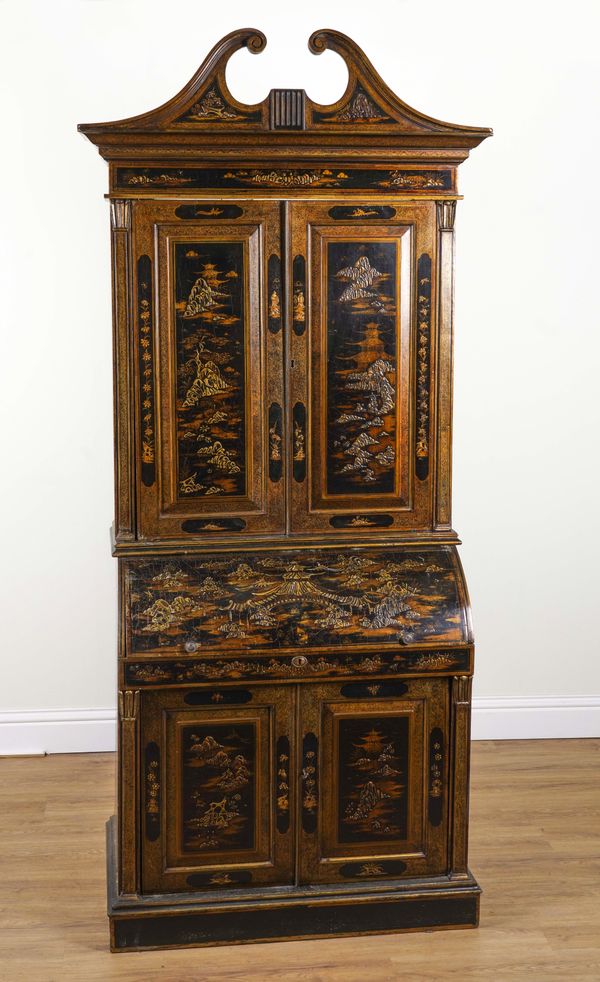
{"x": 373, "y": 771}
{"x": 362, "y": 367}
{"x": 285, "y": 178}
{"x": 211, "y": 425}
{"x": 360, "y": 108}
{"x": 163, "y": 670}
{"x": 212, "y": 106}
{"x": 260, "y": 601}
{"x": 218, "y": 782}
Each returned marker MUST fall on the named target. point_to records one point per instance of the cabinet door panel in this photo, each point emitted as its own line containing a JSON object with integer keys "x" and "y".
{"x": 355, "y": 362}
{"x": 374, "y": 781}
{"x": 216, "y": 374}
{"x": 217, "y": 780}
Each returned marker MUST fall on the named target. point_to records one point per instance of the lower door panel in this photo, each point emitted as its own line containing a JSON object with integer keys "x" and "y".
{"x": 217, "y": 781}
{"x": 373, "y": 780}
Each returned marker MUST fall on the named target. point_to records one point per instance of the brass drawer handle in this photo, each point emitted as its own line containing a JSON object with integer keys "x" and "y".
{"x": 299, "y": 661}
{"x": 191, "y": 646}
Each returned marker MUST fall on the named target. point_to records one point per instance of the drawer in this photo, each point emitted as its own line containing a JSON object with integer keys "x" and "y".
{"x": 297, "y": 667}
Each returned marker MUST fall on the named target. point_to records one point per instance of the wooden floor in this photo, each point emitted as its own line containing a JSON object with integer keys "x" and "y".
{"x": 535, "y": 848}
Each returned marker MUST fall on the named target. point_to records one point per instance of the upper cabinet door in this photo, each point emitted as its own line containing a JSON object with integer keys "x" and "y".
{"x": 362, "y": 357}
{"x": 208, "y": 361}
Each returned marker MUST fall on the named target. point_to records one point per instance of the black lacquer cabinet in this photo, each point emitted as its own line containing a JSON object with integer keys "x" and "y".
{"x": 295, "y": 647}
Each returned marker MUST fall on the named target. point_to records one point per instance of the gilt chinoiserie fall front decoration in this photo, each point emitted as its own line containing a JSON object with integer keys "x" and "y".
{"x": 295, "y": 646}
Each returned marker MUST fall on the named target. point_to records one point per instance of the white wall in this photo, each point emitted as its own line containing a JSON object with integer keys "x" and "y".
{"x": 526, "y": 461}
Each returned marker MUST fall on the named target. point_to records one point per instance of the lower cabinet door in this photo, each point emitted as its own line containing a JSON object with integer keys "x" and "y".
{"x": 217, "y": 782}
{"x": 373, "y": 780}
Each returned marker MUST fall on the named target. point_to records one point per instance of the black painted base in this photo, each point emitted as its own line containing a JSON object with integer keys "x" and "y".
{"x": 286, "y": 914}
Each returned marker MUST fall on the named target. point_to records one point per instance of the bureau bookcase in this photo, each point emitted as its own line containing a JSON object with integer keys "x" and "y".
{"x": 295, "y": 646}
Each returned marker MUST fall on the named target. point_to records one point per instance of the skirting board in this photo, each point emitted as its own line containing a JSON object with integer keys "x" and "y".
{"x": 71, "y": 731}
{"x": 58, "y": 731}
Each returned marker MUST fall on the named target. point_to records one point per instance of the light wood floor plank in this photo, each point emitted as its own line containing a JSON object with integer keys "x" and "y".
{"x": 535, "y": 848}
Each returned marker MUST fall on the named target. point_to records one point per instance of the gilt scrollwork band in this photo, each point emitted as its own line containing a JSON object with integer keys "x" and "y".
{"x": 310, "y": 782}
{"x": 152, "y": 791}
{"x": 146, "y": 369}
{"x": 436, "y": 776}
{"x": 423, "y": 396}
{"x": 282, "y": 784}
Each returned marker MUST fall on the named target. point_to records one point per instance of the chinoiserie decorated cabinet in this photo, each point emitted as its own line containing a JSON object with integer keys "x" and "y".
{"x": 295, "y": 647}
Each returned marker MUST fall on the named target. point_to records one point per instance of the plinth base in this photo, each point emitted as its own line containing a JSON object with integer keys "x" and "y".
{"x": 285, "y": 913}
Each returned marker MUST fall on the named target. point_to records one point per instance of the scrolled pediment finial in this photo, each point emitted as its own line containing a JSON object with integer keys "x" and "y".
{"x": 256, "y": 42}
{"x": 317, "y": 42}
{"x": 206, "y": 112}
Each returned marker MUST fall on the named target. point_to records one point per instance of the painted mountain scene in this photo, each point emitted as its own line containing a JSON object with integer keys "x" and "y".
{"x": 211, "y": 425}
{"x": 361, "y": 367}
{"x": 373, "y": 769}
{"x": 218, "y": 786}
{"x": 312, "y": 598}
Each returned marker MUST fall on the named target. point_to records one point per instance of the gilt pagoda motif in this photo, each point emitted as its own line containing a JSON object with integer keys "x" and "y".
{"x": 211, "y": 368}
{"x": 373, "y": 763}
{"x": 362, "y": 367}
{"x": 303, "y": 598}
